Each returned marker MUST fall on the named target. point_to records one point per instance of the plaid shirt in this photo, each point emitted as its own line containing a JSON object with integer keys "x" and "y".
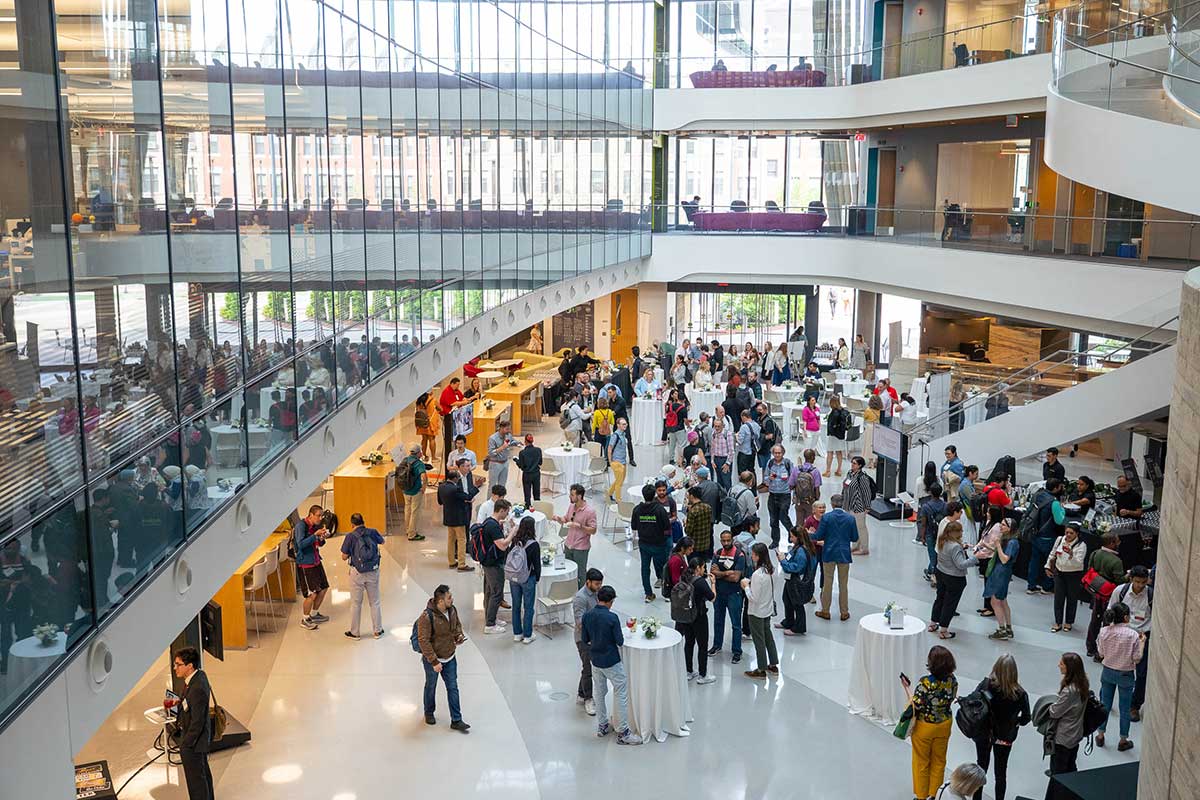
{"x": 721, "y": 443}
{"x": 699, "y": 526}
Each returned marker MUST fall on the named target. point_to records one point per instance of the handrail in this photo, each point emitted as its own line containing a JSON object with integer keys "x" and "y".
{"x": 669, "y": 56}
{"x": 1114, "y": 60}
{"x": 1066, "y": 354}
{"x": 1140, "y": 18}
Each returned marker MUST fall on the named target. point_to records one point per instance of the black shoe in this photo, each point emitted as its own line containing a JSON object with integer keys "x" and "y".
{"x": 430, "y": 720}
{"x": 737, "y": 657}
{"x": 353, "y": 636}
{"x": 460, "y": 726}
{"x": 712, "y": 651}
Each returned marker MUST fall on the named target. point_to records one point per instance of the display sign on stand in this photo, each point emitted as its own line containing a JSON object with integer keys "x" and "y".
{"x": 891, "y": 458}
{"x": 93, "y": 781}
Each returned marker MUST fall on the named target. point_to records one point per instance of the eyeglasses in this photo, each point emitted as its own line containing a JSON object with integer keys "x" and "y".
{"x": 177, "y": 664}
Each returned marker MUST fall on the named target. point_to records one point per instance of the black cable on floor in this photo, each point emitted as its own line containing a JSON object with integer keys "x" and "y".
{"x": 139, "y": 769}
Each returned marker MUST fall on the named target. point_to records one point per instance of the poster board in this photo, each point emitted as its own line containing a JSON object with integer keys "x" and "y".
{"x": 895, "y": 341}
{"x": 464, "y": 419}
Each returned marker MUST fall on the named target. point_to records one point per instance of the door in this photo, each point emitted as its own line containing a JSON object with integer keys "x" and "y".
{"x": 893, "y": 33}
{"x": 885, "y": 193}
{"x": 625, "y": 324}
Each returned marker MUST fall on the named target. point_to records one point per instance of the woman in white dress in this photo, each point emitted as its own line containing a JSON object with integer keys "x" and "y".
{"x": 781, "y": 367}
{"x": 859, "y": 353}
{"x": 703, "y": 379}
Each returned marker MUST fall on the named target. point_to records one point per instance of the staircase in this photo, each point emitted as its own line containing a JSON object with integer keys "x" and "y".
{"x": 1138, "y": 389}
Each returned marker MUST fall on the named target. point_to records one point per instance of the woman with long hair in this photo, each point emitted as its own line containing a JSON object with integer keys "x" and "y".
{"x": 523, "y": 592}
{"x": 931, "y": 701}
{"x": 796, "y": 564}
{"x": 1009, "y": 709}
{"x": 998, "y": 575}
{"x": 989, "y": 537}
{"x": 674, "y": 423}
{"x": 781, "y": 366}
{"x": 837, "y": 427}
{"x": 760, "y": 598}
{"x": 1067, "y": 710}
{"x": 843, "y": 354}
{"x": 952, "y": 563}
{"x": 695, "y": 633}
{"x": 429, "y": 431}
{"x": 929, "y": 479}
{"x": 810, "y": 417}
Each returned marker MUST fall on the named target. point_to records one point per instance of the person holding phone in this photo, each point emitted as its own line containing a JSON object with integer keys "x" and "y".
{"x": 499, "y": 445}
{"x": 309, "y": 536}
{"x": 931, "y": 700}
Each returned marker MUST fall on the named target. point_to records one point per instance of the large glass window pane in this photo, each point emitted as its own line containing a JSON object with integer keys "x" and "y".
{"x": 40, "y": 432}
{"x": 117, "y": 174}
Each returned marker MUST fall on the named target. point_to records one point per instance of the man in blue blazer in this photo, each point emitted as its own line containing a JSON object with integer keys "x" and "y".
{"x": 838, "y": 532}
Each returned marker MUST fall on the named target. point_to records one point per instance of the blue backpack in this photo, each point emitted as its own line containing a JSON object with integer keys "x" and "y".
{"x": 364, "y": 552}
{"x": 416, "y": 644}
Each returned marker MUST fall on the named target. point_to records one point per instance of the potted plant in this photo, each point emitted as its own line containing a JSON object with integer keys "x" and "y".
{"x": 650, "y": 626}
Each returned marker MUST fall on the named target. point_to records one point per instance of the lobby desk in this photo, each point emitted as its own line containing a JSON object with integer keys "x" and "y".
{"x": 232, "y": 598}
{"x": 486, "y": 422}
{"x": 515, "y": 395}
{"x": 362, "y": 488}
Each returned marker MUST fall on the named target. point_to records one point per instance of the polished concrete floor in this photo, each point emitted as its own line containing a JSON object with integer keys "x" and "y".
{"x": 335, "y": 719}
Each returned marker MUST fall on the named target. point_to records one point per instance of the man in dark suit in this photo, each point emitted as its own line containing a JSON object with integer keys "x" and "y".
{"x": 193, "y": 731}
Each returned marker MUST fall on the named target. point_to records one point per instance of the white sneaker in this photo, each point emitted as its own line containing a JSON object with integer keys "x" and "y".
{"x": 518, "y": 637}
{"x": 691, "y": 676}
{"x": 705, "y": 680}
{"x": 579, "y": 700}
{"x": 589, "y": 706}
{"x": 529, "y": 638}
{"x": 493, "y": 629}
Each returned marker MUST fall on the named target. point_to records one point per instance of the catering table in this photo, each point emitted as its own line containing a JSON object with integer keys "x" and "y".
{"x": 880, "y": 655}
{"x": 552, "y": 575}
{"x": 702, "y": 400}
{"x": 647, "y": 421}
{"x": 27, "y": 659}
{"x": 517, "y": 396}
{"x": 539, "y": 521}
{"x": 571, "y": 463}
{"x": 658, "y": 697}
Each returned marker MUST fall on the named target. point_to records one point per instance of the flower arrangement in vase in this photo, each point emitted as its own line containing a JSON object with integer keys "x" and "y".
{"x": 372, "y": 458}
{"x": 894, "y": 610}
{"x": 46, "y": 634}
{"x": 1104, "y": 525}
{"x": 512, "y": 380}
{"x": 649, "y": 626}
{"x": 566, "y": 445}
{"x": 489, "y": 404}
{"x": 548, "y": 551}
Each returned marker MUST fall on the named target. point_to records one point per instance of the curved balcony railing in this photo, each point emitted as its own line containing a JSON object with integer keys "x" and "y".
{"x": 981, "y": 43}
{"x": 1166, "y": 244}
{"x": 1147, "y": 65}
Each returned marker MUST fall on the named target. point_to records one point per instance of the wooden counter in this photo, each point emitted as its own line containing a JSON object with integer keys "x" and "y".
{"x": 361, "y": 488}
{"x": 232, "y": 598}
{"x": 486, "y": 422}
{"x": 515, "y": 395}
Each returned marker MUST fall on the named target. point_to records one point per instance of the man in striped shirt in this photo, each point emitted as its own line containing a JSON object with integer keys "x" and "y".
{"x": 859, "y": 494}
{"x": 721, "y": 449}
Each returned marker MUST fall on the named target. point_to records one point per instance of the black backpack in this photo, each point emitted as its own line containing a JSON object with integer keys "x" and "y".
{"x": 1031, "y": 520}
{"x": 974, "y": 715}
{"x": 1094, "y": 714}
{"x": 406, "y": 478}
{"x": 683, "y": 601}
{"x": 837, "y": 423}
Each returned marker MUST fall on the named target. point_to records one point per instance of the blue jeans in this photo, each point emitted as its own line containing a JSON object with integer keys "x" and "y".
{"x": 931, "y": 548}
{"x": 724, "y": 479}
{"x": 523, "y": 601}
{"x": 1041, "y": 546}
{"x": 658, "y": 554}
{"x": 601, "y": 678}
{"x": 1120, "y": 683}
{"x": 449, "y": 675}
{"x": 732, "y": 603}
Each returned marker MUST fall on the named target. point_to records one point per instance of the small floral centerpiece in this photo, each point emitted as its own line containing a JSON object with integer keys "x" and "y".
{"x": 224, "y": 484}
{"x": 789, "y": 384}
{"x": 261, "y": 422}
{"x": 649, "y": 626}
{"x": 648, "y": 396}
{"x": 517, "y": 511}
{"x": 548, "y": 551}
{"x": 374, "y": 457}
{"x": 566, "y": 445}
{"x": 893, "y": 612}
{"x": 1104, "y": 525}
{"x": 512, "y": 380}
{"x": 489, "y": 403}
{"x": 46, "y": 634}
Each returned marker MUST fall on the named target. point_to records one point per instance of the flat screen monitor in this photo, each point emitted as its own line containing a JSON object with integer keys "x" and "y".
{"x": 212, "y": 635}
{"x": 887, "y": 443}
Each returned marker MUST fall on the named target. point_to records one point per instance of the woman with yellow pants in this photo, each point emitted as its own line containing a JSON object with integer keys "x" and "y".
{"x": 931, "y": 702}
{"x": 618, "y": 457}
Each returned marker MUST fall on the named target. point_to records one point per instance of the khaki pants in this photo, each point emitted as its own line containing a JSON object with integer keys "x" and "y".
{"x": 843, "y": 577}
{"x": 412, "y": 508}
{"x": 864, "y": 536}
{"x": 618, "y": 471}
{"x": 456, "y": 545}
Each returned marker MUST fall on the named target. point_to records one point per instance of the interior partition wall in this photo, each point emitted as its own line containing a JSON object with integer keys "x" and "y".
{"x": 222, "y": 219}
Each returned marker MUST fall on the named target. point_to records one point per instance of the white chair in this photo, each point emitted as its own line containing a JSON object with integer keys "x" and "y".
{"x": 594, "y": 449}
{"x": 254, "y": 581}
{"x": 271, "y": 561}
{"x": 596, "y": 468}
{"x": 624, "y": 518}
{"x": 550, "y": 470}
{"x": 326, "y": 491}
{"x": 560, "y": 596}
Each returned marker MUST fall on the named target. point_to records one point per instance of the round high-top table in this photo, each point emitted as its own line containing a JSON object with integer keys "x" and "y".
{"x": 647, "y": 421}
{"x": 880, "y": 655}
{"x": 570, "y": 462}
{"x": 704, "y": 400}
{"x": 659, "y": 705}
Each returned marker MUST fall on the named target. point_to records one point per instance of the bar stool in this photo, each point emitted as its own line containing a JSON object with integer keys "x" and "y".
{"x": 271, "y": 560}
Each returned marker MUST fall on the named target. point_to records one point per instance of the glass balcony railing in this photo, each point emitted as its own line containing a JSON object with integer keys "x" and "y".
{"x": 982, "y": 43}
{"x": 1167, "y": 244}
{"x": 980, "y": 392}
{"x": 1145, "y": 65}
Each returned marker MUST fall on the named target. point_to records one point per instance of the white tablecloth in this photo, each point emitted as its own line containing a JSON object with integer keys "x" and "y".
{"x": 27, "y": 659}
{"x": 790, "y": 410}
{"x": 788, "y": 395}
{"x": 539, "y": 521}
{"x": 647, "y": 421}
{"x": 974, "y": 409}
{"x": 880, "y": 655}
{"x": 658, "y": 697}
{"x": 570, "y": 462}
{"x": 703, "y": 400}
{"x": 847, "y": 374}
{"x": 856, "y": 388}
{"x": 550, "y": 576}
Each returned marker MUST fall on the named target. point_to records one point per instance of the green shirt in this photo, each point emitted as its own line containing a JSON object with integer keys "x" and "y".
{"x": 1108, "y": 564}
{"x": 418, "y": 470}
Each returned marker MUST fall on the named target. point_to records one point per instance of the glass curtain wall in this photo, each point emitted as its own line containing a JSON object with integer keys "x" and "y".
{"x": 224, "y": 218}
{"x": 755, "y": 172}
{"x": 735, "y": 318}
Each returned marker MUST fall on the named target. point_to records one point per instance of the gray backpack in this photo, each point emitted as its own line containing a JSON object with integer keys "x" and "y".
{"x": 516, "y": 565}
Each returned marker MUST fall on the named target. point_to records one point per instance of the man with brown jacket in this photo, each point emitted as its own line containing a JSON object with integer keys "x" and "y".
{"x": 438, "y": 634}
